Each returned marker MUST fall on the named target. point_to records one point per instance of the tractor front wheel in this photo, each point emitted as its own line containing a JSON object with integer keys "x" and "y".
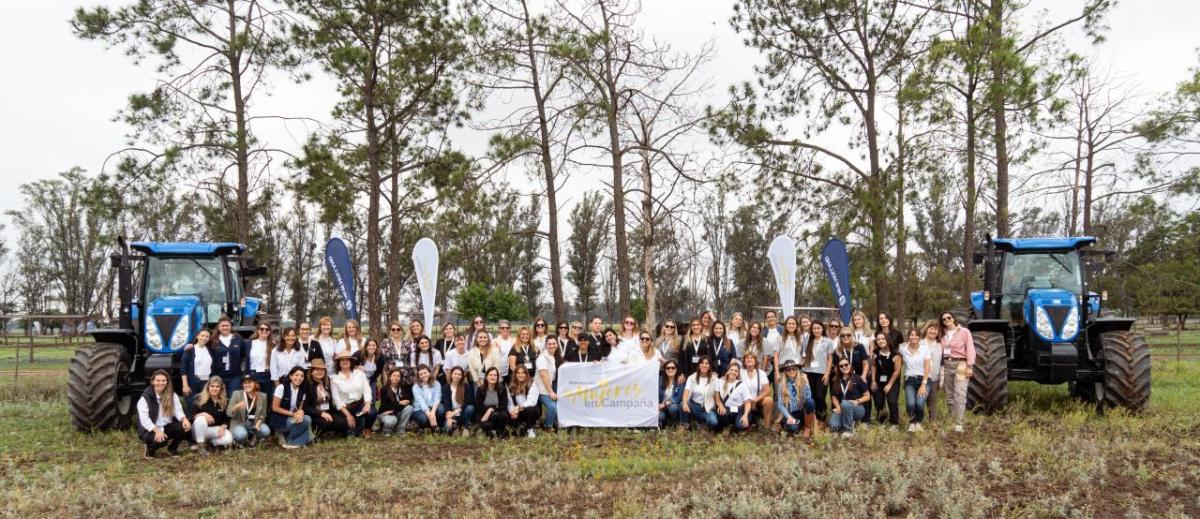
{"x": 94, "y": 382}
{"x": 988, "y": 389}
{"x": 1126, "y": 357}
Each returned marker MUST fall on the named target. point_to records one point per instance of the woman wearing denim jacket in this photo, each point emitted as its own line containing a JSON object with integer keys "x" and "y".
{"x": 670, "y": 395}
{"x": 427, "y": 399}
{"x": 794, "y": 400}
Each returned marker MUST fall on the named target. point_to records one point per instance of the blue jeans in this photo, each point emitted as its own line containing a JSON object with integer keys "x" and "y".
{"x": 241, "y": 432}
{"x": 913, "y": 403}
{"x": 464, "y": 419}
{"x": 423, "y": 420}
{"x": 668, "y": 416}
{"x": 550, "y": 417}
{"x": 696, "y": 412}
{"x": 299, "y": 433}
{"x": 844, "y": 421}
{"x": 389, "y": 423}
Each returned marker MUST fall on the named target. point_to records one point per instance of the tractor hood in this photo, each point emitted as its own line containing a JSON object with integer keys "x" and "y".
{"x": 1053, "y": 314}
{"x": 170, "y": 321}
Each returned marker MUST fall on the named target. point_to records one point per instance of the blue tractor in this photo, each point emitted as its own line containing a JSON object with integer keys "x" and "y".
{"x": 167, "y": 292}
{"x": 1036, "y": 320}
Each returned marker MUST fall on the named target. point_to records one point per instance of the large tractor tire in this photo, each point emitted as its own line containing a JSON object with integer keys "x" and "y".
{"x": 1126, "y": 357}
{"x": 988, "y": 389}
{"x": 97, "y": 373}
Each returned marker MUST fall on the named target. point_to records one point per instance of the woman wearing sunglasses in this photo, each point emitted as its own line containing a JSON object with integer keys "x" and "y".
{"x": 670, "y": 395}
{"x": 629, "y": 335}
{"x": 958, "y": 362}
{"x": 849, "y": 397}
{"x": 259, "y": 357}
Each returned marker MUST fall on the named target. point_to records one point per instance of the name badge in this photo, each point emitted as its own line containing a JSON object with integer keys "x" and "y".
{"x": 226, "y": 362}
{"x": 528, "y": 365}
{"x": 695, "y": 359}
{"x": 733, "y": 409}
{"x": 883, "y": 378}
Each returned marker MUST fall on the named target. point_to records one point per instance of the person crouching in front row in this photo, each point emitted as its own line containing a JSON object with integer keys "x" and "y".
{"x": 395, "y": 403}
{"x": 732, "y": 400}
{"x": 161, "y": 421}
{"x": 288, "y": 417}
{"x": 670, "y": 395}
{"x": 248, "y": 413}
{"x": 492, "y": 398}
{"x": 211, "y": 421}
{"x": 795, "y": 400}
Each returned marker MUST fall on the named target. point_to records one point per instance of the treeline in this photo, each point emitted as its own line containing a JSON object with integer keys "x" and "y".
{"x": 956, "y": 119}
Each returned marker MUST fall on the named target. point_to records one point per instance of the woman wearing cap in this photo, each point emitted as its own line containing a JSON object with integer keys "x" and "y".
{"x": 916, "y": 378}
{"x": 259, "y": 356}
{"x": 849, "y": 398}
{"x": 197, "y": 363}
{"x": 722, "y": 347}
{"x": 817, "y": 370}
{"x": 885, "y": 380}
{"x": 287, "y": 355}
{"x": 426, "y": 355}
{"x": 492, "y": 398}
{"x": 352, "y": 395}
{"x": 547, "y": 374}
{"x": 485, "y": 355}
{"x": 395, "y": 404}
{"x": 794, "y": 400}
{"x": 458, "y": 402}
{"x": 958, "y": 366}
{"x": 523, "y": 396}
{"x": 161, "y": 421}
{"x": 427, "y": 400}
{"x": 248, "y": 413}
{"x": 210, "y": 421}
{"x": 287, "y": 410}
{"x": 698, "y": 395}
{"x": 668, "y": 342}
{"x": 731, "y": 398}
{"x": 584, "y": 352}
{"x": 318, "y": 402}
{"x": 670, "y": 395}
{"x": 762, "y": 405}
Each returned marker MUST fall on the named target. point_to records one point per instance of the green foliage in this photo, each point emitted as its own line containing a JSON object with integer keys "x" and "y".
{"x": 590, "y": 223}
{"x": 493, "y": 303}
{"x": 637, "y": 308}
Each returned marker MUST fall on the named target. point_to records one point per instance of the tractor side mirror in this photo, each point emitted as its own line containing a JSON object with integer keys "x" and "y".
{"x": 253, "y": 271}
{"x": 977, "y": 258}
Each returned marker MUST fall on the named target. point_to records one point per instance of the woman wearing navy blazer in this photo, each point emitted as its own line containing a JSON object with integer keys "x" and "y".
{"x": 492, "y": 399}
{"x": 458, "y": 402}
{"x": 199, "y": 363}
{"x": 228, "y": 348}
{"x": 287, "y": 411}
{"x": 670, "y": 395}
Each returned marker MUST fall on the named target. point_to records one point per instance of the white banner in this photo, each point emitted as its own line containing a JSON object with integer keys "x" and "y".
{"x": 783, "y": 262}
{"x": 607, "y": 395}
{"x": 425, "y": 264}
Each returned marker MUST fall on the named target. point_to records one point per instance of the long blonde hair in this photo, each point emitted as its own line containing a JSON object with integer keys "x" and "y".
{"x": 221, "y": 398}
{"x": 785, "y": 397}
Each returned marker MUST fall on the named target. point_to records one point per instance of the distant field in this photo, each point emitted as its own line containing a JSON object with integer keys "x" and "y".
{"x": 1046, "y": 456}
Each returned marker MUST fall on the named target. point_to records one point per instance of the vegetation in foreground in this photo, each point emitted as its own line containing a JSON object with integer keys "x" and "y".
{"x": 1046, "y": 456}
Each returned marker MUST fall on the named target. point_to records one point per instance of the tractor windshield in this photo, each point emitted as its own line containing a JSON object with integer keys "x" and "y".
{"x": 201, "y": 277}
{"x": 1042, "y": 270}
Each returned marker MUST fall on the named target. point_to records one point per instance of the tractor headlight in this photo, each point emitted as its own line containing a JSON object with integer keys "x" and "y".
{"x": 154, "y": 338}
{"x": 1071, "y": 326}
{"x": 180, "y": 337}
{"x": 1043, "y": 323}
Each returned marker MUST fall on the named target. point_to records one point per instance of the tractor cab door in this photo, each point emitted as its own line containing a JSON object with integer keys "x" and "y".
{"x": 233, "y": 280}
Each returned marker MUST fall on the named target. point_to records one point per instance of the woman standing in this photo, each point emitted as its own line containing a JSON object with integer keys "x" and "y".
{"x": 446, "y": 343}
{"x": 795, "y": 400}
{"x": 318, "y": 402}
{"x": 426, "y": 356}
{"x": 668, "y": 342}
{"x": 397, "y": 352}
{"x": 427, "y": 400}
{"x": 916, "y": 379}
{"x": 611, "y": 345}
{"x": 523, "y": 404}
{"x": 792, "y": 344}
{"x": 731, "y": 399}
{"x": 228, "y": 348}
{"x": 326, "y": 340}
{"x": 737, "y": 333}
{"x": 644, "y": 353}
{"x": 849, "y": 396}
{"x": 706, "y": 321}
{"x": 523, "y": 352}
{"x": 762, "y": 406}
{"x": 287, "y": 355}
{"x": 958, "y": 366}
{"x": 885, "y": 387}
{"x": 287, "y": 410}
{"x": 820, "y": 358}
{"x": 248, "y": 413}
{"x": 492, "y": 397}
{"x": 628, "y": 340}
{"x": 310, "y": 347}
{"x": 670, "y": 395}
{"x": 884, "y": 325}
{"x": 722, "y": 347}
{"x": 754, "y": 346}
{"x": 456, "y": 358}
{"x": 477, "y": 327}
{"x": 565, "y": 342}
{"x": 540, "y": 332}
{"x": 210, "y": 421}
{"x": 458, "y": 402}
{"x": 861, "y": 331}
{"x": 698, "y": 399}
{"x": 197, "y": 364}
{"x": 370, "y": 362}
{"x": 695, "y": 348}
{"x": 503, "y": 344}
{"x": 395, "y": 404}
{"x": 260, "y": 356}
{"x": 484, "y": 356}
{"x": 597, "y": 336}
{"x": 161, "y": 421}
{"x": 351, "y": 341}
{"x": 931, "y": 341}
{"x": 547, "y": 373}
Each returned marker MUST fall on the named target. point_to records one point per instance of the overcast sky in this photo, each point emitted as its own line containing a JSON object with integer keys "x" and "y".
{"x": 59, "y": 93}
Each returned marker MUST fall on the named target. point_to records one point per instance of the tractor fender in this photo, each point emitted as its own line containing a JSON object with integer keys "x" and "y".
{"x": 1000, "y": 326}
{"x": 1109, "y": 324}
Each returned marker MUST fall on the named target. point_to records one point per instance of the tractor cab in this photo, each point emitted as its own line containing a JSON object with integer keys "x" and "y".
{"x": 1038, "y": 281}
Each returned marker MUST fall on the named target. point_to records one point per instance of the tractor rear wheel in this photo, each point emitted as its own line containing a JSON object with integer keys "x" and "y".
{"x": 1126, "y": 357}
{"x": 988, "y": 389}
{"x": 94, "y": 382}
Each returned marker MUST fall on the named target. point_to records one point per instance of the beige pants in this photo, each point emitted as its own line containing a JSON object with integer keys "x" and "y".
{"x": 954, "y": 383}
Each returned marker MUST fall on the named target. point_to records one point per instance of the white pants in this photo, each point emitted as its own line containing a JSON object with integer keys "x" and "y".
{"x": 204, "y": 432}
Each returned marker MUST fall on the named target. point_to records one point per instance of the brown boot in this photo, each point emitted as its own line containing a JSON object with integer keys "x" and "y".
{"x": 809, "y": 426}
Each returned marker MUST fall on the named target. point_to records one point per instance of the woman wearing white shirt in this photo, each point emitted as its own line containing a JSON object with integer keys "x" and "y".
{"x": 503, "y": 343}
{"x": 791, "y": 343}
{"x": 352, "y": 395}
{"x": 523, "y": 401}
{"x": 737, "y": 333}
{"x": 819, "y": 354}
{"x": 197, "y": 364}
{"x": 762, "y": 405}
{"x": 456, "y": 358}
{"x": 326, "y": 340}
{"x": 732, "y": 395}
{"x": 931, "y": 339}
{"x": 547, "y": 373}
{"x": 484, "y": 356}
{"x": 426, "y": 356}
{"x": 351, "y": 340}
{"x": 698, "y": 404}
{"x": 161, "y": 421}
{"x": 628, "y": 336}
{"x": 286, "y": 356}
{"x": 643, "y": 354}
{"x": 916, "y": 378}
{"x": 861, "y": 329}
{"x": 540, "y": 332}
{"x": 260, "y": 358}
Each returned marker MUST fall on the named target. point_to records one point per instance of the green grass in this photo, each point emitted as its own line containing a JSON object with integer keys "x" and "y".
{"x": 1045, "y": 456}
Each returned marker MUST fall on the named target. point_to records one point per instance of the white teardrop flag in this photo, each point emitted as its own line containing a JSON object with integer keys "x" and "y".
{"x": 783, "y": 263}
{"x": 425, "y": 264}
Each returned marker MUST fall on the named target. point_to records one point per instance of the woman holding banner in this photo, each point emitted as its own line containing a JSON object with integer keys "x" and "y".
{"x": 698, "y": 395}
{"x": 547, "y": 372}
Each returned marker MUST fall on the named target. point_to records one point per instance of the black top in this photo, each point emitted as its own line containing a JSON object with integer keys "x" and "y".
{"x": 310, "y": 398}
{"x": 575, "y": 356}
{"x": 314, "y": 350}
{"x": 468, "y": 397}
{"x": 853, "y": 389}
{"x": 691, "y": 353}
{"x": 390, "y": 401}
{"x": 885, "y": 366}
{"x": 218, "y": 414}
{"x": 857, "y": 356}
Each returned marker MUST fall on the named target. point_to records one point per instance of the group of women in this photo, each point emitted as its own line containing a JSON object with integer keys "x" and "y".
{"x": 796, "y": 376}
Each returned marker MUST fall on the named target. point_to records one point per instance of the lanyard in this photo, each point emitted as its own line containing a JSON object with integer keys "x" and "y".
{"x": 845, "y": 388}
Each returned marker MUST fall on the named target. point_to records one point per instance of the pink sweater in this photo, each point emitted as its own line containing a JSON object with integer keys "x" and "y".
{"x": 959, "y": 345}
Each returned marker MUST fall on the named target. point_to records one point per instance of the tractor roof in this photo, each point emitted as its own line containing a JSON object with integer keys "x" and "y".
{"x": 1043, "y": 244}
{"x": 187, "y": 248}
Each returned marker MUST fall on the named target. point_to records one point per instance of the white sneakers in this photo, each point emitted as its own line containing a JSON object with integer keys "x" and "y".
{"x": 915, "y": 427}
{"x": 958, "y": 428}
{"x": 531, "y": 434}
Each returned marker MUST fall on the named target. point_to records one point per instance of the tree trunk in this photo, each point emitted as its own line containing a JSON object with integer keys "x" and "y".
{"x": 241, "y": 143}
{"x": 1000, "y": 126}
{"x": 648, "y": 239}
{"x": 968, "y": 247}
{"x": 612, "y": 99}
{"x": 394, "y": 253}
{"x": 374, "y": 305}
{"x": 899, "y": 302}
{"x": 876, "y": 210}
{"x": 1088, "y": 173}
